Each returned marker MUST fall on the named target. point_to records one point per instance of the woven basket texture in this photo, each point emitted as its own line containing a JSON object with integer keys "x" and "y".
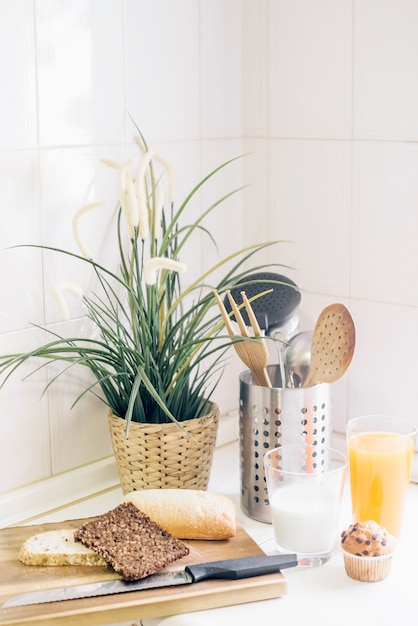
{"x": 162, "y": 456}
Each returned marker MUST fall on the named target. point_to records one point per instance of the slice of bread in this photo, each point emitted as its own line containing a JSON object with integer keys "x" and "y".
{"x": 57, "y": 547}
{"x": 131, "y": 542}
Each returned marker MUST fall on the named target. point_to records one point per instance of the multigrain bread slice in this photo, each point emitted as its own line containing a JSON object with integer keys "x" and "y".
{"x": 188, "y": 513}
{"x": 57, "y": 547}
{"x": 133, "y": 544}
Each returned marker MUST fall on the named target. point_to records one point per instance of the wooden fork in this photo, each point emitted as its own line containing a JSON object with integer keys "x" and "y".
{"x": 253, "y": 354}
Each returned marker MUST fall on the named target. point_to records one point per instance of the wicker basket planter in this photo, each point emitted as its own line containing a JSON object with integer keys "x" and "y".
{"x": 158, "y": 456}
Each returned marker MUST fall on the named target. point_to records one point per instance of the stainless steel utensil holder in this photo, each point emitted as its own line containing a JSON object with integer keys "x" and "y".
{"x": 270, "y": 417}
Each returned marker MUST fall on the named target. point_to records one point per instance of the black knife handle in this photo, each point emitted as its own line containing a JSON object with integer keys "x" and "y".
{"x": 234, "y": 569}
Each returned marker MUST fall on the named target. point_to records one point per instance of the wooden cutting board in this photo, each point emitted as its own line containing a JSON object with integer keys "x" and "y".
{"x": 16, "y": 578}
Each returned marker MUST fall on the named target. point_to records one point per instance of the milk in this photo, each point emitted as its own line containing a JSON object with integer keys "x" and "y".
{"x": 305, "y": 517}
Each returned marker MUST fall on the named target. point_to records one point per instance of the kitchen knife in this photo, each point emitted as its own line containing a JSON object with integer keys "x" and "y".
{"x": 231, "y": 569}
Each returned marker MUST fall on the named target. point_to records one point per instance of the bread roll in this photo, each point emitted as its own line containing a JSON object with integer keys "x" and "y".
{"x": 188, "y": 513}
{"x": 57, "y": 547}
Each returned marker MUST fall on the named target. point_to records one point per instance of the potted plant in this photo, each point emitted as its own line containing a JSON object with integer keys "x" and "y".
{"x": 157, "y": 352}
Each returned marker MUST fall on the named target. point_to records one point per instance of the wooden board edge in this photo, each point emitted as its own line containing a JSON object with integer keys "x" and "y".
{"x": 251, "y": 590}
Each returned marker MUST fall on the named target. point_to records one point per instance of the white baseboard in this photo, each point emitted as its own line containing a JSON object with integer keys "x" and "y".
{"x": 31, "y": 501}
{"x": 22, "y": 504}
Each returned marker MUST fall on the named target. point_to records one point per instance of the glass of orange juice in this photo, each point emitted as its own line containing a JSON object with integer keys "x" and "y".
{"x": 380, "y": 452}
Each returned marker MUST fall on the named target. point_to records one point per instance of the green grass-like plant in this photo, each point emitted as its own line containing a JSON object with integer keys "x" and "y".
{"x": 158, "y": 350}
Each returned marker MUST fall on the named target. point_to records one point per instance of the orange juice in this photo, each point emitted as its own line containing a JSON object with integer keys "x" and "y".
{"x": 380, "y": 471}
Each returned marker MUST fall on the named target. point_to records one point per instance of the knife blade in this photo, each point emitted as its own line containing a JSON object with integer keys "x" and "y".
{"x": 230, "y": 569}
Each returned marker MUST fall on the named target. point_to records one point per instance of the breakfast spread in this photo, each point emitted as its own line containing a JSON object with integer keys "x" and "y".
{"x": 367, "y": 551}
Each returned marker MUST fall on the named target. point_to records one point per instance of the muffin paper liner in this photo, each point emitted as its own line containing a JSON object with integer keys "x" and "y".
{"x": 367, "y": 569}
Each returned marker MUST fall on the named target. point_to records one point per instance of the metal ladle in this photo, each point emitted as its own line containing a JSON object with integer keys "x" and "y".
{"x": 333, "y": 345}
{"x": 297, "y": 355}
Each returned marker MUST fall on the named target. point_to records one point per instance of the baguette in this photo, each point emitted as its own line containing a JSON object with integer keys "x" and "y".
{"x": 188, "y": 513}
{"x": 57, "y": 547}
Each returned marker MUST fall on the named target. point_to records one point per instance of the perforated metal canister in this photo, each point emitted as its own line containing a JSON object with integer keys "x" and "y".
{"x": 270, "y": 417}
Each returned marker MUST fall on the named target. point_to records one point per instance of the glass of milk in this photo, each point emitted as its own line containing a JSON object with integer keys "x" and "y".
{"x": 305, "y": 484}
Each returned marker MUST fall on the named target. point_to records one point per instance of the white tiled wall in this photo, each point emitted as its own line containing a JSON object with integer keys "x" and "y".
{"x": 310, "y": 69}
{"x": 341, "y": 117}
{"x": 324, "y": 96}
{"x": 73, "y": 72}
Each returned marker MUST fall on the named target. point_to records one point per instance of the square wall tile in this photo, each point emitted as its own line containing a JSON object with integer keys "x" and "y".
{"x": 386, "y": 70}
{"x": 310, "y": 63}
{"x": 383, "y": 374}
{"x": 308, "y": 210}
{"x": 17, "y": 75}
{"x": 21, "y": 276}
{"x": 72, "y": 178}
{"x": 79, "y": 429}
{"x": 221, "y": 68}
{"x": 254, "y": 67}
{"x": 384, "y": 256}
{"x": 80, "y": 68}
{"x": 24, "y": 421}
{"x": 225, "y": 222}
{"x": 255, "y": 180}
{"x": 162, "y": 67}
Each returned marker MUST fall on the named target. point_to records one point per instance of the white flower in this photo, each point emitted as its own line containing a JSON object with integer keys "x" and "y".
{"x": 124, "y": 202}
{"x": 166, "y": 165}
{"x": 57, "y": 293}
{"x": 85, "y": 250}
{"x": 155, "y": 264}
{"x": 143, "y": 223}
{"x": 171, "y": 180}
{"x": 131, "y": 199}
{"x": 127, "y": 199}
{"x": 158, "y": 208}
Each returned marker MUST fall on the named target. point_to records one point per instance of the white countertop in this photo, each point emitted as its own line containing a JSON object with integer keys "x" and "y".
{"x": 318, "y": 596}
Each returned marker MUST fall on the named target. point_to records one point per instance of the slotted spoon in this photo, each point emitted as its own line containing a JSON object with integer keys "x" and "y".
{"x": 333, "y": 344}
{"x": 274, "y": 308}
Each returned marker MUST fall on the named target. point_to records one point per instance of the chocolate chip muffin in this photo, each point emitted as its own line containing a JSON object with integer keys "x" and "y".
{"x": 367, "y": 551}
